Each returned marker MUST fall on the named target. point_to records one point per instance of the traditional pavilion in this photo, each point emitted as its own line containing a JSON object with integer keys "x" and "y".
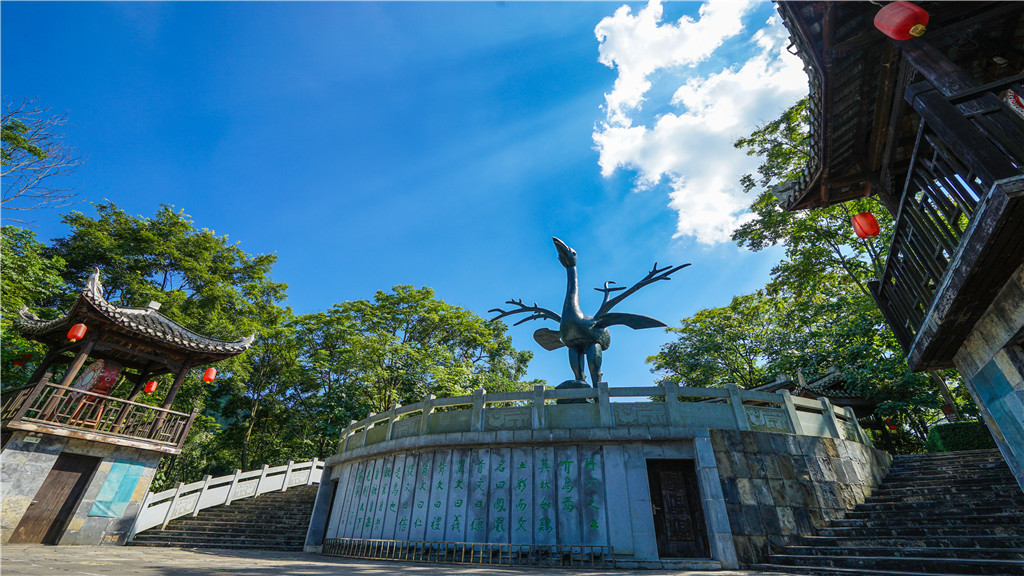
{"x": 77, "y": 461}
{"x": 922, "y": 106}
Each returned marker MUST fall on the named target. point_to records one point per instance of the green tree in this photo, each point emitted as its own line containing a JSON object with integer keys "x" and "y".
{"x": 721, "y": 345}
{"x": 406, "y": 343}
{"x": 202, "y": 280}
{"x": 28, "y": 278}
{"x": 817, "y": 311}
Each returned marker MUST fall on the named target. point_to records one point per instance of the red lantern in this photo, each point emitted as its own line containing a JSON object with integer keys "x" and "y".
{"x": 150, "y": 387}
{"x": 864, "y": 224}
{"x": 21, "y": 360}
{"x": 901, "y": 20}
{"x": 77, "y": 332}
{"x": 947, "y": 409}
{"x": 210, "y": 375}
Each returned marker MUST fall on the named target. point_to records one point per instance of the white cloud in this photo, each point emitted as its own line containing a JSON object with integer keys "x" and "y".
{"x": 691, "y": 149}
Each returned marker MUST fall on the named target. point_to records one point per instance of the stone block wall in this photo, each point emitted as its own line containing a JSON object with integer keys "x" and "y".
{"x": 25, "y": 466}
{"x": 778, "y": 486}
{"x": 991, "y": 362}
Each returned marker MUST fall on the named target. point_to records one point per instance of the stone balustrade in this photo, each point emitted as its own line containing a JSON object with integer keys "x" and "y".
{"x": 727, "y": 408}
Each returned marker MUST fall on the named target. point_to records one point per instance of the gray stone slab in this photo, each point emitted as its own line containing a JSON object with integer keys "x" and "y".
{"x": 421, "y": 495}
{"x": 403, "y": 520}
{"x": 499, "y": 507}
{"x": 645, "y": 546}
{"x": 544, "y": 496}
{"x": 360, "y": 493}
{"x": 479, "y": 481}
{"x": 440, "y": 486}
{"x": 458, "y": 503}
{"x": 339, "y": 519}
{"x": 394, "y": 490}
{"x": 373, "y": 502}
{"x": 383, "y": 487}
{"x": 521, "y": 525}
{"x": 568, "y": 493}
{"x": 593, "y": 504}
{"x": 349, "y": 499}
{"x": 620, "y": 532}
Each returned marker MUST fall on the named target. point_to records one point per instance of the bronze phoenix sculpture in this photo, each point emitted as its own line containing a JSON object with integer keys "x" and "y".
{"x": 586, "y": 337}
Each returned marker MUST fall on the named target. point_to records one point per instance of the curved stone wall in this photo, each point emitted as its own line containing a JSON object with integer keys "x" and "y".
{"x": 519, "y": 473}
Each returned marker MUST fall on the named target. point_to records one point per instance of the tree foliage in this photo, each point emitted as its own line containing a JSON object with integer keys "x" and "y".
{"x": 33, "y": 159}
{"x": 304, "y": 378}
{"x": 28, "y": 278}
{"x": 816, "y": 312}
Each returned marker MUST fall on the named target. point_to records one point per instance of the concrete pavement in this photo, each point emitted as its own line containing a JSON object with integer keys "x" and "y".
{"x": 38, "y": 560}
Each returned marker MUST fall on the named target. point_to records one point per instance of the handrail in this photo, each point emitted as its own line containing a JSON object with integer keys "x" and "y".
{"x": 66, "y": 407}
{"x": 960, "y": 155}
{"x": 159, "y": 508}
{"x": 748, "y": 410}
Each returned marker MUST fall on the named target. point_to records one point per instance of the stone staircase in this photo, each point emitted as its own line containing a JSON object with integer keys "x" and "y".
{"x": 272, "y": 521}
{"x": 947, "y": 513}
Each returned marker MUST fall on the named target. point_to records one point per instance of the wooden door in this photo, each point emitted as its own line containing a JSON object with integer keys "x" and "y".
{"x": 678, "y": 514}
{"x": 56, "y": 500}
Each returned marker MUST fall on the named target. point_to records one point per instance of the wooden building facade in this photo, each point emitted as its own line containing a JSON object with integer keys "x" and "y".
{"x": 77, "y": 460}
{"x": 934, "y": 126}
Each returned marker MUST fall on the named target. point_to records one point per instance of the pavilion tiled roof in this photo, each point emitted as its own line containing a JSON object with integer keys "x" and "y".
{"x": 855, "y": 75}
{"x": 146, "y": 323}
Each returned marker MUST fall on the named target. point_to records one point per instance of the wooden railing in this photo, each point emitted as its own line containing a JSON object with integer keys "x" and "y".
{"x": 50, "y": 407}
{"x": 966, "y": 144}
{"x": 188, "y": 499}
{"x": 713, "y": 408}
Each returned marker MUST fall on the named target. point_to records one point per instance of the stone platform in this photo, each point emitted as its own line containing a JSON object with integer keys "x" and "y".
{"x": 704, "y": 479}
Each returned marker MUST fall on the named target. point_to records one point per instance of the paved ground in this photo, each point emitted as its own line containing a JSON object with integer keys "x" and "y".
{"x": 37, "y": 560}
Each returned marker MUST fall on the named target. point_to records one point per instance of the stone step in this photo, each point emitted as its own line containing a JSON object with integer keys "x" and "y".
{"x": 938, "y": 493}
{"x": 949, "y": 522}
{"x": 922, "y": 530}
{"x": 927, "y": 510}
{"x": 272, "y": 521}
{"x": 907, "y": 551}
{"x": 219, "y": 541}
{"x": 959, "y": 454}
{"x": 921, "y": 564}
{"x": 229, "y": 531}
{"x": 955, "y": 481}
{"x": 831, "y": 571}
{"x": 997, "y": 470}
{"x": 962, "y": 542}
{"x": 965, "y": 475}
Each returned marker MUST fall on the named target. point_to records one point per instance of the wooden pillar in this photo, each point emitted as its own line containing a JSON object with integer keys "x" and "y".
{"x": 143, "y": 375}
{"x": 178, "y": 380}
{"x": 51, "y": 355}
{"x": 76, "y": 364}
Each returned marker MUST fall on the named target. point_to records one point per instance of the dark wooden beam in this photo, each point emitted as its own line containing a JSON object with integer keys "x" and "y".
{"x": 170, "y": 364}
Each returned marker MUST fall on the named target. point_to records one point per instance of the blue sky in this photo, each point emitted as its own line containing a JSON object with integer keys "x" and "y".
{"x": 437, "y": 144}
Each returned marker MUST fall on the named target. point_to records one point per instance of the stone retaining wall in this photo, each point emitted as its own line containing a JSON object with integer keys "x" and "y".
{"x": 778, "y": 486}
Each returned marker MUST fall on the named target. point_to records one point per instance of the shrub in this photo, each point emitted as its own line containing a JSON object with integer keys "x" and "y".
{"x": 957, "y": 436}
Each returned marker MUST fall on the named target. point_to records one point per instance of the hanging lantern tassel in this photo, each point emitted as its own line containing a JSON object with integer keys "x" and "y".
{"x": 77, "y": 332}
{"x": 150, "y": 387}
{"x": 864, "y": 224}
{"x": 210, "y": 375}
{"x": 901, "y": 20}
